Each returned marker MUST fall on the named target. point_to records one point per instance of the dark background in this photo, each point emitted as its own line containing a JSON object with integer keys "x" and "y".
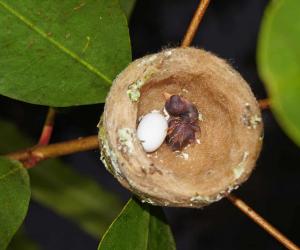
{"x": 230, "y": 29}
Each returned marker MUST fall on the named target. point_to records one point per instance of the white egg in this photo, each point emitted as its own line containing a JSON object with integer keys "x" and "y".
{"x": 152, "y": 131}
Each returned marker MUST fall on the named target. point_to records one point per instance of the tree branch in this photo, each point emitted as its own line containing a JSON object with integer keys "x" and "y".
{"x": 262, "y": 222}
{"x": 193, "y": 27}
{"x": 57, "y": 149}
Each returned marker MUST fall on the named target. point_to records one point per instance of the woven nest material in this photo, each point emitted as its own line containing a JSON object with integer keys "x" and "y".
{"x": 225, "y": 151}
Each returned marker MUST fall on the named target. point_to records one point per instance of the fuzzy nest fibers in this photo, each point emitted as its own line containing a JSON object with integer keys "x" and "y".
{"x": 224, "y": 151}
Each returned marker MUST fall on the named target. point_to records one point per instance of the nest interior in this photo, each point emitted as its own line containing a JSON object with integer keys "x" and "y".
{"x": 206, "y": 165}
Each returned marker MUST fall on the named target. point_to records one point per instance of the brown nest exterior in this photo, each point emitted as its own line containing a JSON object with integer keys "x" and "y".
{"x": 225, "y": 151}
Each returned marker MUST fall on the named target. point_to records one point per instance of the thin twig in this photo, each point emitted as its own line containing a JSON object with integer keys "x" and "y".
{"x": 56, "y": 149}
{"x": 262, "y": 222}
{"x": 192, "y": 29}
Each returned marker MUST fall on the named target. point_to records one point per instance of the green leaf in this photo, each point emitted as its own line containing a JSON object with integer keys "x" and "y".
{"x": 127, "y": 7}
{"x": 21, "y": 241}
{"x": 61, "y": 53}
{"x": 138, "y": 227}
{"x": 65, "y": 191}
{"x": 14, "y": 199}
{"x": 279, "y": 62}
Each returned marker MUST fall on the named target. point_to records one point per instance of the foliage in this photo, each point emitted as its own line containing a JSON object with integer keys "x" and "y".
{"x": 61, "y": 53}
{"x": 139, "y": 227}
{"x": 14, "y": 198}
{"x": 279, "y": 62}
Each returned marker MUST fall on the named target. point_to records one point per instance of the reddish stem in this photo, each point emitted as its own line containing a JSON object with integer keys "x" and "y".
{"x": 48, "y": 128}
{"x": 44, "y": 139}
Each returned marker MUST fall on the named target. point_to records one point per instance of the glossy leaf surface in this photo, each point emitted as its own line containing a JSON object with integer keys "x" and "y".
{"x": 14, "y": 198}
{"x": 61, "y": 53}
{"x": 139, "y": 227}
{"x": 279, "y": 62}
